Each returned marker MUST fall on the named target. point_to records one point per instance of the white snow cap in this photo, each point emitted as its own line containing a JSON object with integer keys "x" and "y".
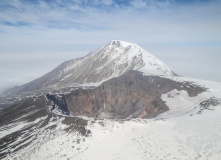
{"x": 151, "y": 64}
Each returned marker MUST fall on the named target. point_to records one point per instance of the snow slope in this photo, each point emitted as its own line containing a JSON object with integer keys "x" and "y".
{"x": 185, "y": 137}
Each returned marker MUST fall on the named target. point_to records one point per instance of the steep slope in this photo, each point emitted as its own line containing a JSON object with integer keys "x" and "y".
{"x": 110, "y": 61}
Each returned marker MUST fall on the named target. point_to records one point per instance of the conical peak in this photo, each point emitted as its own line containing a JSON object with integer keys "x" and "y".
{"x": 116, "y": 58}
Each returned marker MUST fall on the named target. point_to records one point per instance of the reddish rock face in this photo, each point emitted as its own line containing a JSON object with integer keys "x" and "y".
{"x": 131, "y": 95}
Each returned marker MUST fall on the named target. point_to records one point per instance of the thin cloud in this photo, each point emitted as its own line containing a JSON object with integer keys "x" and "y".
{"x": 162, "y": 17}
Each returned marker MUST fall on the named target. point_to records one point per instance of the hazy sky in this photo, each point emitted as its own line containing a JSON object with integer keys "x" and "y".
{"x": 38, "y": 35}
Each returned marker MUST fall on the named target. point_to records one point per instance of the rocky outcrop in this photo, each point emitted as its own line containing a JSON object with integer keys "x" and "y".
{"x": 131, "y": 95}
{"x": 209, "y": 104}
{"x": 58, "y": 104}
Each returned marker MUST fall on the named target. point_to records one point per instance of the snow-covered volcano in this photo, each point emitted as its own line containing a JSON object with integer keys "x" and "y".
{"x": 112, "y": 60}
{"x": 104, "y": 122}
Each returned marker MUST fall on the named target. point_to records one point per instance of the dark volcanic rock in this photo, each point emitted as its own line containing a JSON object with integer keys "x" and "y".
{"x": 208, "y": 104}
{"x": 58, "y": 102}
{"x": 128, "y": 96}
